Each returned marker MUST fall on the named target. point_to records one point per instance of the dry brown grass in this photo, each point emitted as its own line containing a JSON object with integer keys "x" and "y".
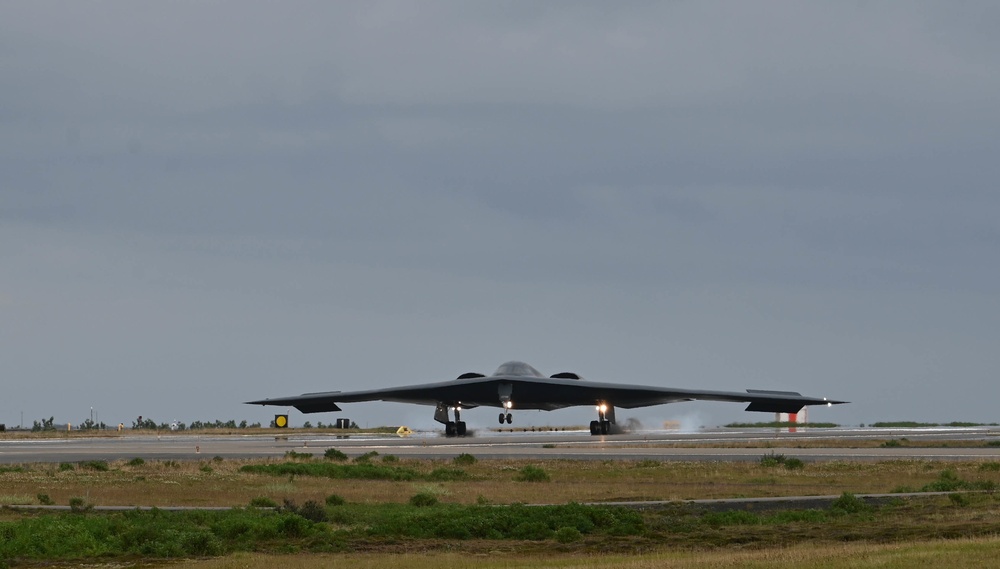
{"x": 220, "y": 483}
{"x": 956, "y": 554}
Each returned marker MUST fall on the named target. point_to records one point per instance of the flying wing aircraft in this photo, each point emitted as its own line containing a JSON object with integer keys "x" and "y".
{"x": 518, "y": 385}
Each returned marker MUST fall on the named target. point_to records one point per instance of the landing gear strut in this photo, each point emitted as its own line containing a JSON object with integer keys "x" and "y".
{"x": 504, "y": 390}
{"x": 454, "y": 428}
{"x": 605, "y": 418}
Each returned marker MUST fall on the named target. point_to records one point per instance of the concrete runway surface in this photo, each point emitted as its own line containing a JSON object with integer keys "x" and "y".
{"x": 969, "y": 444}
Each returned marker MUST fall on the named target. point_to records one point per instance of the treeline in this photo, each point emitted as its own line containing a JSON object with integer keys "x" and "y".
{"x": 49, "y": 425}
{"x": 150, "y": 424}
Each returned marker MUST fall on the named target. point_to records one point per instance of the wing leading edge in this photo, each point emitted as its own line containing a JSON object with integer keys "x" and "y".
{"x": 543, "y": 393}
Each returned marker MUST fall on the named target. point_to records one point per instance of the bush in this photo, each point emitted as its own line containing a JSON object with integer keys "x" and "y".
{"x": 532, "y": 474}
{"x": 263, "y": 502}
{"x": 44, "y": 500}
{"x": 423, "y": 499}
{"x": 390, "y": 458}
{"x": 334, "y": 454}
{"x": 98, "y": 465}
{"x": 292, "y": 455}
{"x": 568, "y": 535}
{"x": 536, "y": 531}
{"x": 465, "y": 459}
{"x": 366, "y": 457}
{"x": 848, "y": 503}
{"x": 335, "y": 500}
{"x": 794, "y": 464}
{"x": 772, "y": 459}
{"x": 312, "y": 511}
{"x": 79, "y": 505}
{"x": 65, "y": 466}
{"x": 137, "y": 461}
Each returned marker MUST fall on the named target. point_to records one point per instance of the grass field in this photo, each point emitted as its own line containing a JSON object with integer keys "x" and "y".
{"x": 954, "y": 554}
{"x": 461, "y": 512}
{"x": 222, "y": 483}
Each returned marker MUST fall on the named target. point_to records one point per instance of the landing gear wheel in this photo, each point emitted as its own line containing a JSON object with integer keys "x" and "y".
{"x": 595, "y": 428}
{"x": 501, "y": 418}
{"x": 460, "y": 428}
{"x": 605, "y": 427}
{"x": 450, "y": 429}
{"x": 510, "y": 418}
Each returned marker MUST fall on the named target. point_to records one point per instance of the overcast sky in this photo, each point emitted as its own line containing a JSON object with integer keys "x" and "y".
{"x": 207, "y": 203}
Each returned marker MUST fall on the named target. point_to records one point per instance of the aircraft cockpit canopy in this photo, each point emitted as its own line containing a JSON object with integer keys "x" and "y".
{"x": 517, "y": 368}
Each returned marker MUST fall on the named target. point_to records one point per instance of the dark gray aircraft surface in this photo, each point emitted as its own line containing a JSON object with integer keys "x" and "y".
{"x": 518, "y": 385}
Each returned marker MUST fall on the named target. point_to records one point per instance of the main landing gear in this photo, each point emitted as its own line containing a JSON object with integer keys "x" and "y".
{"x": 454, "y": 428}
{"x": 605, "y": 418}
{"x": 506, "y": 417}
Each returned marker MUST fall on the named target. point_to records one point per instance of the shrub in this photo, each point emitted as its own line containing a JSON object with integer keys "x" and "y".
{"x": 137, "y": 461}
{"x": 335, "y": 500}
{"x": 334, "y": 454}
{"x": 772, "y": 459}
{"x": 366, "y": 457}
{"x": 960, "y": 500}
{"x": 263, "y": 502}
{"x": 848, "y": 503}
{"x": 65, "y": 466}
{"x": 989, "y": 466}
{"x": 532, "y": 474}
{"x": 465, "y": 459}
{"x": 79, "y": 505}
{"x": 44, "y": 500}
{"x": 423, "y": 499}
{"x": 794, "y": 464}
{"x": 535, "y": 530}
{"x": 98, "y": 465}
{"x": 390, "y": 458}
{"x": 568, "y": 535}
{"x": 205, "y": 468}
{"x": 292, "y": 455}
{"x": 312, "y": 511}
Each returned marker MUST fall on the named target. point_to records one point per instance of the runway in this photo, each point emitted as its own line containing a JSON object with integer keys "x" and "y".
{"x": 704, "y": 445}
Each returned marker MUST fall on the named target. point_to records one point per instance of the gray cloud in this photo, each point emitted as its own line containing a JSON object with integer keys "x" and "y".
{"x": 236, "y": 200}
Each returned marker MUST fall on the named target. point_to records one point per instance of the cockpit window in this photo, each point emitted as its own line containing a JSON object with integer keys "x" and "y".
{"x": 517, "y": 368}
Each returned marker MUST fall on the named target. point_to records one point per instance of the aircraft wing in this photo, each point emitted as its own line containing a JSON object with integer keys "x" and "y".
{"x": 544, "y": 393}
